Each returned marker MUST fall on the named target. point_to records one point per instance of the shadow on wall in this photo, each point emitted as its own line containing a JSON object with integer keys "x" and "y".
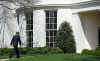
{"x": 20, "y": 2}
{"x": 33, "y": 1}
{"x": 90, "y": 23}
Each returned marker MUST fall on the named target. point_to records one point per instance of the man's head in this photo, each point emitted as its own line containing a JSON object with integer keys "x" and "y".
{"x": 17, "y": 33}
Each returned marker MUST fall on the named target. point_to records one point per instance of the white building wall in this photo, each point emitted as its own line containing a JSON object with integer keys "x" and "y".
{"x": 39, "y": 32}
{"x": 92, "y": 25}
{"x": 45, "y": 2}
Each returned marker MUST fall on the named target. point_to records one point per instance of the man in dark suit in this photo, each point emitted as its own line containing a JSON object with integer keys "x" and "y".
{"x": 14, "y": 42}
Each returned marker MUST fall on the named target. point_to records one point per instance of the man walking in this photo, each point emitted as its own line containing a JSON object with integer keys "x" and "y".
{"x": 14, "y": 42}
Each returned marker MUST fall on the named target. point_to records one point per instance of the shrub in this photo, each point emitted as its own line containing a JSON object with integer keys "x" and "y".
{"x": 65, "y": 39}
{"x": 85, "y": 51}
{"x": 98, "y": 48}
{"x": 31, "y": 51}
{"x": 97, "y": 53}
{"x": 91, "y": 52}
{"x": 5, "y": 51}
{"x": 45, "y": 50}
{"x": 55, "y": 50}
{"x": 23, "y": 51}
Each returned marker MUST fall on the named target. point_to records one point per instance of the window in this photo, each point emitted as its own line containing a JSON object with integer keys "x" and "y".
{"x": 51, "y": 27}
{"x": 29, "y": 29}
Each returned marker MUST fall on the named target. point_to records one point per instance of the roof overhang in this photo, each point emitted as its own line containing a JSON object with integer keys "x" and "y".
{"x": 74, "y": 5}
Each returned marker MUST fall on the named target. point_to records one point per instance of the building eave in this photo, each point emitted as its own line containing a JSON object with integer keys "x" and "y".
{"x": 66, "y": 5}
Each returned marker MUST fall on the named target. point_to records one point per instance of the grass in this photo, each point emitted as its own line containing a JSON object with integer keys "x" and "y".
{"x": 58, "y": 57}
{"x": 3, "y": 57}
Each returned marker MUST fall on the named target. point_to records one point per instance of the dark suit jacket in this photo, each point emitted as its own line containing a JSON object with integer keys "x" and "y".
{"x": 15, "y": 40}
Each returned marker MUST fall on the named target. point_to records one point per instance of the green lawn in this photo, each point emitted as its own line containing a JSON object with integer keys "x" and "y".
{"x": 3, "y": 57}
{"x": 58, "y": 57}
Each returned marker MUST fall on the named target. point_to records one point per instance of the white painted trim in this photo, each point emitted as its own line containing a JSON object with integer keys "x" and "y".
{"x": 86, "y": 9}
{"x": 66, "y": 5}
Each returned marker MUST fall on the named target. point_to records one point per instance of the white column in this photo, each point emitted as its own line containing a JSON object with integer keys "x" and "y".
{"x": 39, "y": 32}
{"x": 22, "y": 29}
{"x": 5, "y": 31}
{"x": 74, "y": 20}
{"x": 81, "y": 40}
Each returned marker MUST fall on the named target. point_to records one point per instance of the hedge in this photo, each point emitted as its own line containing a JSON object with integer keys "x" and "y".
{"x": 95, "y": 52}
{"x": 32, "y": 51}
{"x": 98, "y": 48}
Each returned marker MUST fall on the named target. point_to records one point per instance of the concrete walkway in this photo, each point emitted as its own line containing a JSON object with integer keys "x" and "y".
{"x": 3, "y": 59}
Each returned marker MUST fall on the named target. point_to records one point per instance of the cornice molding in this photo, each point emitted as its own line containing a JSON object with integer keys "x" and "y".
{"x": 67, "y": 5}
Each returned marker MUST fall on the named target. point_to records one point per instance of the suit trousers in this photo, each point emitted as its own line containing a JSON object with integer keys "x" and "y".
{"x": 15, "y": 51}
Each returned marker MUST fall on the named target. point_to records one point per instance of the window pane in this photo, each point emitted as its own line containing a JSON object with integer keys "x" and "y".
{"x": 47, "y": 13}
{"x": 55, "y": 33}
{"x": 47, "y": 39}
{"x": 51, "y": 33}
{"x": 55, "y": 13}
{"x": 47, "y": 26}
{"x": 27, "y": 22}
{"x": 47, "y": 20}
{"x": 54, "y": 38}
{"x": 29, "y": 27}
{"x": 51, "y": 26}
{"x": 47, "y": 44}
{"x": 51, "y": 44}
{"x": 55, "y": 20}
{"x": 29, "y": 33}
{"x": 55, "y": 26}
{"x": 31, "y": 21}
{"x": 47, "y": 33}
{"x": 51, "y": 14}
{"x": 51, "y": 20}
{"x": 51, "y": 39}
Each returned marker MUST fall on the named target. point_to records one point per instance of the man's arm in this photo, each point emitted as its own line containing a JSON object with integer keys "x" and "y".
{"x": 12, "y": 41}
{"x": 19, "y": 41}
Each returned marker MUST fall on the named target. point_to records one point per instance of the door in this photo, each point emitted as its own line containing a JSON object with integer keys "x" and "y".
{"x": 99, "y": 37}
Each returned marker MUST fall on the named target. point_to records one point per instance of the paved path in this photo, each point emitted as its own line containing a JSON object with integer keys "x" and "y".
{"x": 3, "y": 59}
